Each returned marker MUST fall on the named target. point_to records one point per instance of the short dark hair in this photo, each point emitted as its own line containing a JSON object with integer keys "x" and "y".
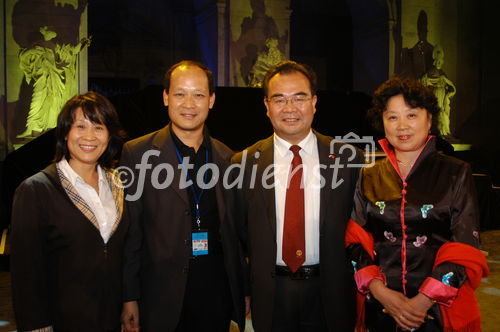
{"x": 414, "y": 93}
{"x": 98, "y": 109}
{"x": 289, "y": 67}
{"x": 190, "y": 63}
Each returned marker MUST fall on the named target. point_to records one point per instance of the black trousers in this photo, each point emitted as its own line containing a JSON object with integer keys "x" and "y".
{"x": 298, "y": 306}
{"x": 207, "y": 300}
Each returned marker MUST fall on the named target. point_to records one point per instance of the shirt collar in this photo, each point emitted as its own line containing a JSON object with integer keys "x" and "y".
{"x": 308, "y": 144}
{"x": 183, "y": 147}
{"x": 74, "y": 178}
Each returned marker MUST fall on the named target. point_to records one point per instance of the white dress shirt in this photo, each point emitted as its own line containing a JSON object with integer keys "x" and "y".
{"x": 311, "y": 179}
{"x": 102, "y": 205}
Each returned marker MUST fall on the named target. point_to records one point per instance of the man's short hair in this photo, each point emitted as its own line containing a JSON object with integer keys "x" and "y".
{"x": 290, "y": 67}
{"x": 190, "y": 63}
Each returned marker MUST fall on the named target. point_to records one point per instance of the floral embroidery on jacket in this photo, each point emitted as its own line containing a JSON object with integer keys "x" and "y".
{"x": 381, "y": 205}
{"x": 425, "y": 208}
{"x": 446, "y": 278}
{"x": 389, "y": 236}
{"x": 420, "y": 240}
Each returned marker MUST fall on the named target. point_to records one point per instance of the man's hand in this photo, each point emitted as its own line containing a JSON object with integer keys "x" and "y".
{"x": 130, "y": 317}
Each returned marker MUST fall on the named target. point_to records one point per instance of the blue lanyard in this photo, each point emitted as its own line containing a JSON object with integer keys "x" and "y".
{"x": 197, "y": 199}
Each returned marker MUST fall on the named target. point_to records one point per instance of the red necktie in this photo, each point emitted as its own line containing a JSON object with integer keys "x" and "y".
{"x": 294, "y": 249}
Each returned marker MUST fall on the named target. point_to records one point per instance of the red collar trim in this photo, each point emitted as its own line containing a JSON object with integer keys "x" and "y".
{"x": 391, "y": 155}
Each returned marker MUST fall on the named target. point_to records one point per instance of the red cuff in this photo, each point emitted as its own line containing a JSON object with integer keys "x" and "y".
{"x": 439, "y": 292}
{"x": 364, "y": 276}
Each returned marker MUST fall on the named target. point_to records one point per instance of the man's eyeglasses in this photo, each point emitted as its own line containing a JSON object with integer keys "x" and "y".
{"x": 280, "y": 101}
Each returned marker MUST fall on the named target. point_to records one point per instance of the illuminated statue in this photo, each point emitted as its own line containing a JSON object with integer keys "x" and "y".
{"x": 255, "y": 31}
{"x": 265, "y": 60}
{"x": 52, "y": 69}
{"x": 417, "y": 61}
{"x": 443, "y": 88}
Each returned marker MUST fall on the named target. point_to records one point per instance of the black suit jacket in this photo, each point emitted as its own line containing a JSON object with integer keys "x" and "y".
{"x": 257, "y": 219}
{"x": 63, "y": 274}
{"x": 158, "y": 246}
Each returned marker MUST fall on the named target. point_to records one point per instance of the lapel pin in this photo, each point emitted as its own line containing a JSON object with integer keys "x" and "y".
{"x": 331, "y": 156}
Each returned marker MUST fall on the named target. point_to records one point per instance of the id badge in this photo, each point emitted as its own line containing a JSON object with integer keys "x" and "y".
{"x": 200, "y": 243}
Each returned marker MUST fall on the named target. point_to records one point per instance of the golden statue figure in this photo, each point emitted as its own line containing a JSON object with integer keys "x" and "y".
{"x": 265, "y": 60}
{"x": 443, "y": 89}
{"x": 51, "y": 68}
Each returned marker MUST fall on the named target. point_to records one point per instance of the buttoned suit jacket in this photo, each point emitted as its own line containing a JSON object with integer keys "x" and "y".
{"x": 158, "y": 245}
{"x": 63, "y": 274}
{"x": 256, "y": 210}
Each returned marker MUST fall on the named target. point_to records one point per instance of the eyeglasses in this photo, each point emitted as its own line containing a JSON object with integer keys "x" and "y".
{"x": 280, "y": 101}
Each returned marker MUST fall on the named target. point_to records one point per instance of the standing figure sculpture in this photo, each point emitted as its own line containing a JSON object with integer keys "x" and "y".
{"x": 417, "y": 61}
{"x": 265, "y": 60}
{"x": 443, "y": 89}
{"x": 50, "y": 67}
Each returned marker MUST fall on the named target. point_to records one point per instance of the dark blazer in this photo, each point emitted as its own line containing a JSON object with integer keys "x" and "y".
{"x": 158, "y": 245}
{"x": 257, "y": 218}
{"x": 63, "y": 274}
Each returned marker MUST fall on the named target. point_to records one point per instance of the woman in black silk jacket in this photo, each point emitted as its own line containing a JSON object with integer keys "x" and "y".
{"x": 414, "y": 232}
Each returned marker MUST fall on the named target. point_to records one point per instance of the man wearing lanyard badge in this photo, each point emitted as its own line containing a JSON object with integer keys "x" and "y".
{"x": 183, "y": 269}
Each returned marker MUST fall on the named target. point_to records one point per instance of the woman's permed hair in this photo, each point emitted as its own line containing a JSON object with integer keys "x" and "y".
{"x": 415, "y": 94}
{"x": 98, "y": 109}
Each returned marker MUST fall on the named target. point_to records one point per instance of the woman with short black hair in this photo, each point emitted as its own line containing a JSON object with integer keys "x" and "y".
{"x": 68, "y": 227}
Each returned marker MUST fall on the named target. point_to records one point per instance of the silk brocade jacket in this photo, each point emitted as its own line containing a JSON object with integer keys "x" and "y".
{"x": 410, "y": 218}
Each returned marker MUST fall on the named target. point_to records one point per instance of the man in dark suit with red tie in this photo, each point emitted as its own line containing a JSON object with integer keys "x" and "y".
{"x": 293, "y": 206}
